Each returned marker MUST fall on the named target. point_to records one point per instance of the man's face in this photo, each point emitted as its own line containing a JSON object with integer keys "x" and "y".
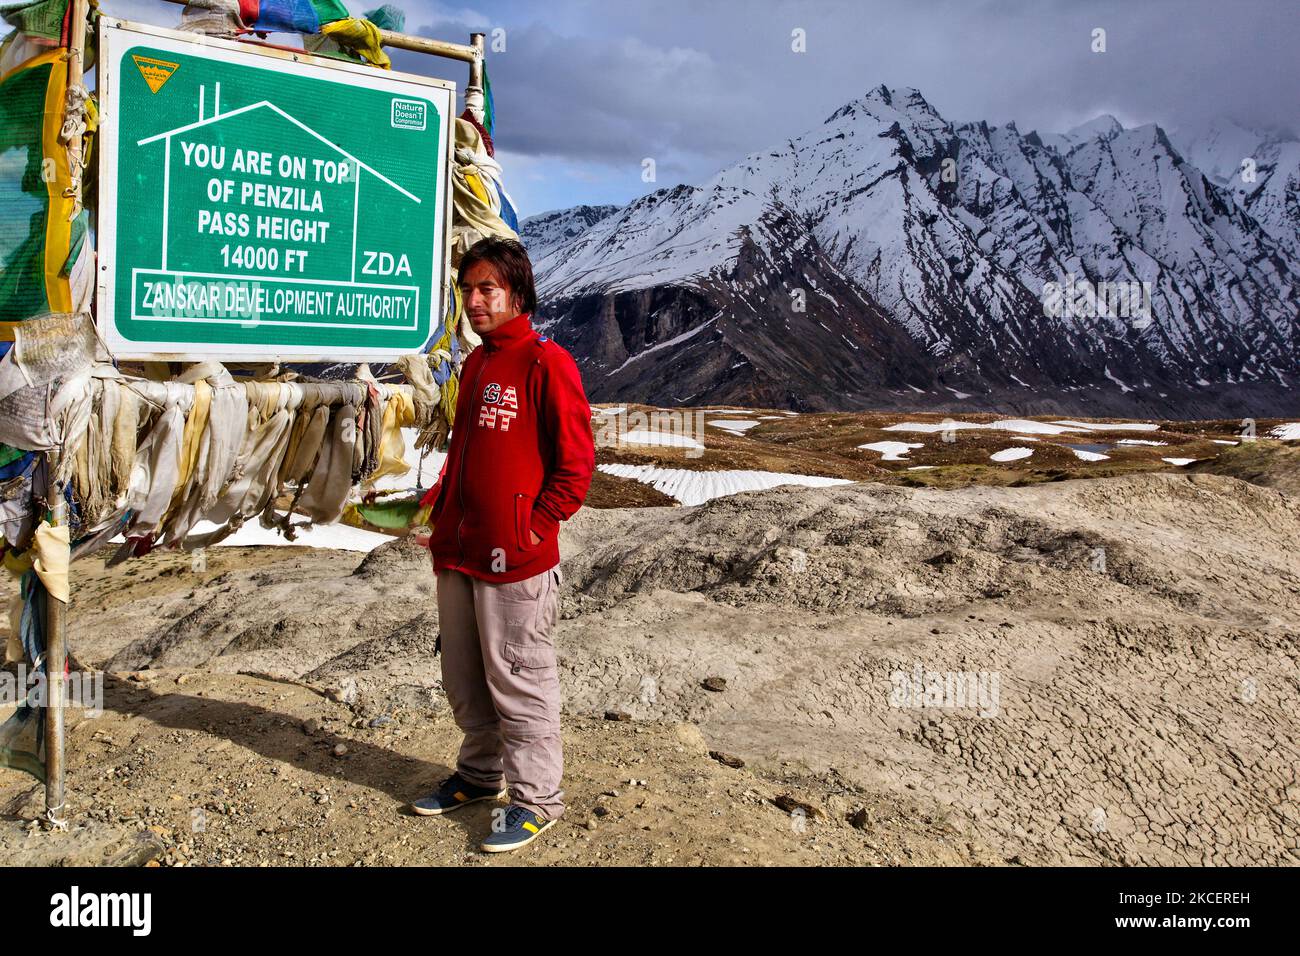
{"x": 489, "y": 302}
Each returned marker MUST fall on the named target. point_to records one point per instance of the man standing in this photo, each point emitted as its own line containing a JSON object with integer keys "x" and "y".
{"x": 520, "y": 462}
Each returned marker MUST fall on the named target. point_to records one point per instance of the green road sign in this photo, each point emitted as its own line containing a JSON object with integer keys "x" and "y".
{"x": 259, "y": 204}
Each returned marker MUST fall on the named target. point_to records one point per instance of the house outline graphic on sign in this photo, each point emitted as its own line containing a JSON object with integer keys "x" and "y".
{"x": 217, "y": 117}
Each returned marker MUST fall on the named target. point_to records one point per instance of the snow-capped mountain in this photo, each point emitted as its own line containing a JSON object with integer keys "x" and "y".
{"x": 1261, "y": 169}
{"x": 890, "y": 257}
{"x": 546, "y": 231}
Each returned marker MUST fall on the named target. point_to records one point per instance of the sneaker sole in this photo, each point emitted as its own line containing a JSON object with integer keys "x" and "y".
{"x": 423, "y": 812}
{"x": 488, "y": 848}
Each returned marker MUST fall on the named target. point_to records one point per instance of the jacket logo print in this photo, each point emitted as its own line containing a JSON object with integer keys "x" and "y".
{"x": 499, "y": 408}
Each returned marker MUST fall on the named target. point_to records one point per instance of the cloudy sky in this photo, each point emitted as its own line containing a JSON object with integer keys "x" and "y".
{"x": 586, "y": 90}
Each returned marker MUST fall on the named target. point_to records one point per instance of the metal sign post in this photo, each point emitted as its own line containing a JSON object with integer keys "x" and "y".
{"x": 56, "y": 610}
{"x": 56, "y": 657}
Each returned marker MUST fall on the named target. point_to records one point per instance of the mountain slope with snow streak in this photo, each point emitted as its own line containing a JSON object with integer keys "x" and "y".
{"x": 547, "y": 231}
{"x": 1261, "y": 168}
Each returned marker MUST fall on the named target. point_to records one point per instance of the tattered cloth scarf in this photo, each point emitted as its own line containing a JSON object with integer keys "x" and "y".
{"x": 372, "y": 436}
{"x": 331, "y": 479}
{"x": 216, "y": 18}
{"x": 92, "y": 477}
{"x": 225, "y": 413}
{"x": 398, "y": 412}
{"x": 70, "y": 413}
{"x": 126, "y": 430}
{"x": 299, "y": 460}
{"x": 156, "y": 472}
{"x": 258, "y": 463}
{"x": 196, "y": 424}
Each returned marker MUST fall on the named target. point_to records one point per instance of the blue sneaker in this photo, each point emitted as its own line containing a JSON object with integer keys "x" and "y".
{"x": 454, "y": 792}
{"x": 521, "y": 828}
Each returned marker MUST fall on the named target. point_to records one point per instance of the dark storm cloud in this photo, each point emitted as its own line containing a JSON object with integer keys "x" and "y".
{"x": 613, "y": 98}
{"x": 587, "y": 90}
{"x": 703, "y": 83}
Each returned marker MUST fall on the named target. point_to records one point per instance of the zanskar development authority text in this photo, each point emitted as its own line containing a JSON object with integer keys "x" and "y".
{"x": 252, "y": 301}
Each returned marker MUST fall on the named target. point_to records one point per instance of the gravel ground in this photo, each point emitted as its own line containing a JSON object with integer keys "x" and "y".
{"x": 1074, "y": 672}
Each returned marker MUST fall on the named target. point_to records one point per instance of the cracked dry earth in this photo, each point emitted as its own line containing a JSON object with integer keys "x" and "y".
{"x": 1134, "y": 639}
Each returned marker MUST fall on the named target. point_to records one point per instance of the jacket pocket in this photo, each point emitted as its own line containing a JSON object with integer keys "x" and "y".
{"x": 436, "y": 508}
{"x": 523, "y": 522}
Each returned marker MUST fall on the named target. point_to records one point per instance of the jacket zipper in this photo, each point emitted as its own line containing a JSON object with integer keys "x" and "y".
{"x": 528, "y": 528}
{"x": 460, "y": 477}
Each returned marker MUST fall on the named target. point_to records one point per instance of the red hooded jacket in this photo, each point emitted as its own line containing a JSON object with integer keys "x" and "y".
{"x": 520, "y": 460}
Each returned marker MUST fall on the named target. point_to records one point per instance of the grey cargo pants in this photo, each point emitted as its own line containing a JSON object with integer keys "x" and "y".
{"x": 500, "y": 675}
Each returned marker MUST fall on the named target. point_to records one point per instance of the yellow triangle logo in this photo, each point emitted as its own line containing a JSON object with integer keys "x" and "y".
{"x": 155, "y": 72}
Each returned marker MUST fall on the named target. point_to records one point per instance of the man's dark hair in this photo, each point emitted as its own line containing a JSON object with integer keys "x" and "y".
{"x": 510, "y": 260}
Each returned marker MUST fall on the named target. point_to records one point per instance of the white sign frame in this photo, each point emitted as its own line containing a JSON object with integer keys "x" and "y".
{"x": 115, "y": 36}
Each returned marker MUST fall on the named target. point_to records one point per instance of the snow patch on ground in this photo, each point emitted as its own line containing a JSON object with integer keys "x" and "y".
{"x": 1110, "y": 426}
{"x": 697, "y": 487}
{"x": 892, "y": 450}
{"x": 1083, "y": 455}
{"x": 643, "y": 436}
{"x": 732, "y": 425}
{"x": 328, "y": 537}
{"x": 1011, "y": 454}
{"x": 1007, "y": 424}
{"x": 1140, "y": 441}
{"x": 1288, "y": 432}
{"x": 1180, "y": 462}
